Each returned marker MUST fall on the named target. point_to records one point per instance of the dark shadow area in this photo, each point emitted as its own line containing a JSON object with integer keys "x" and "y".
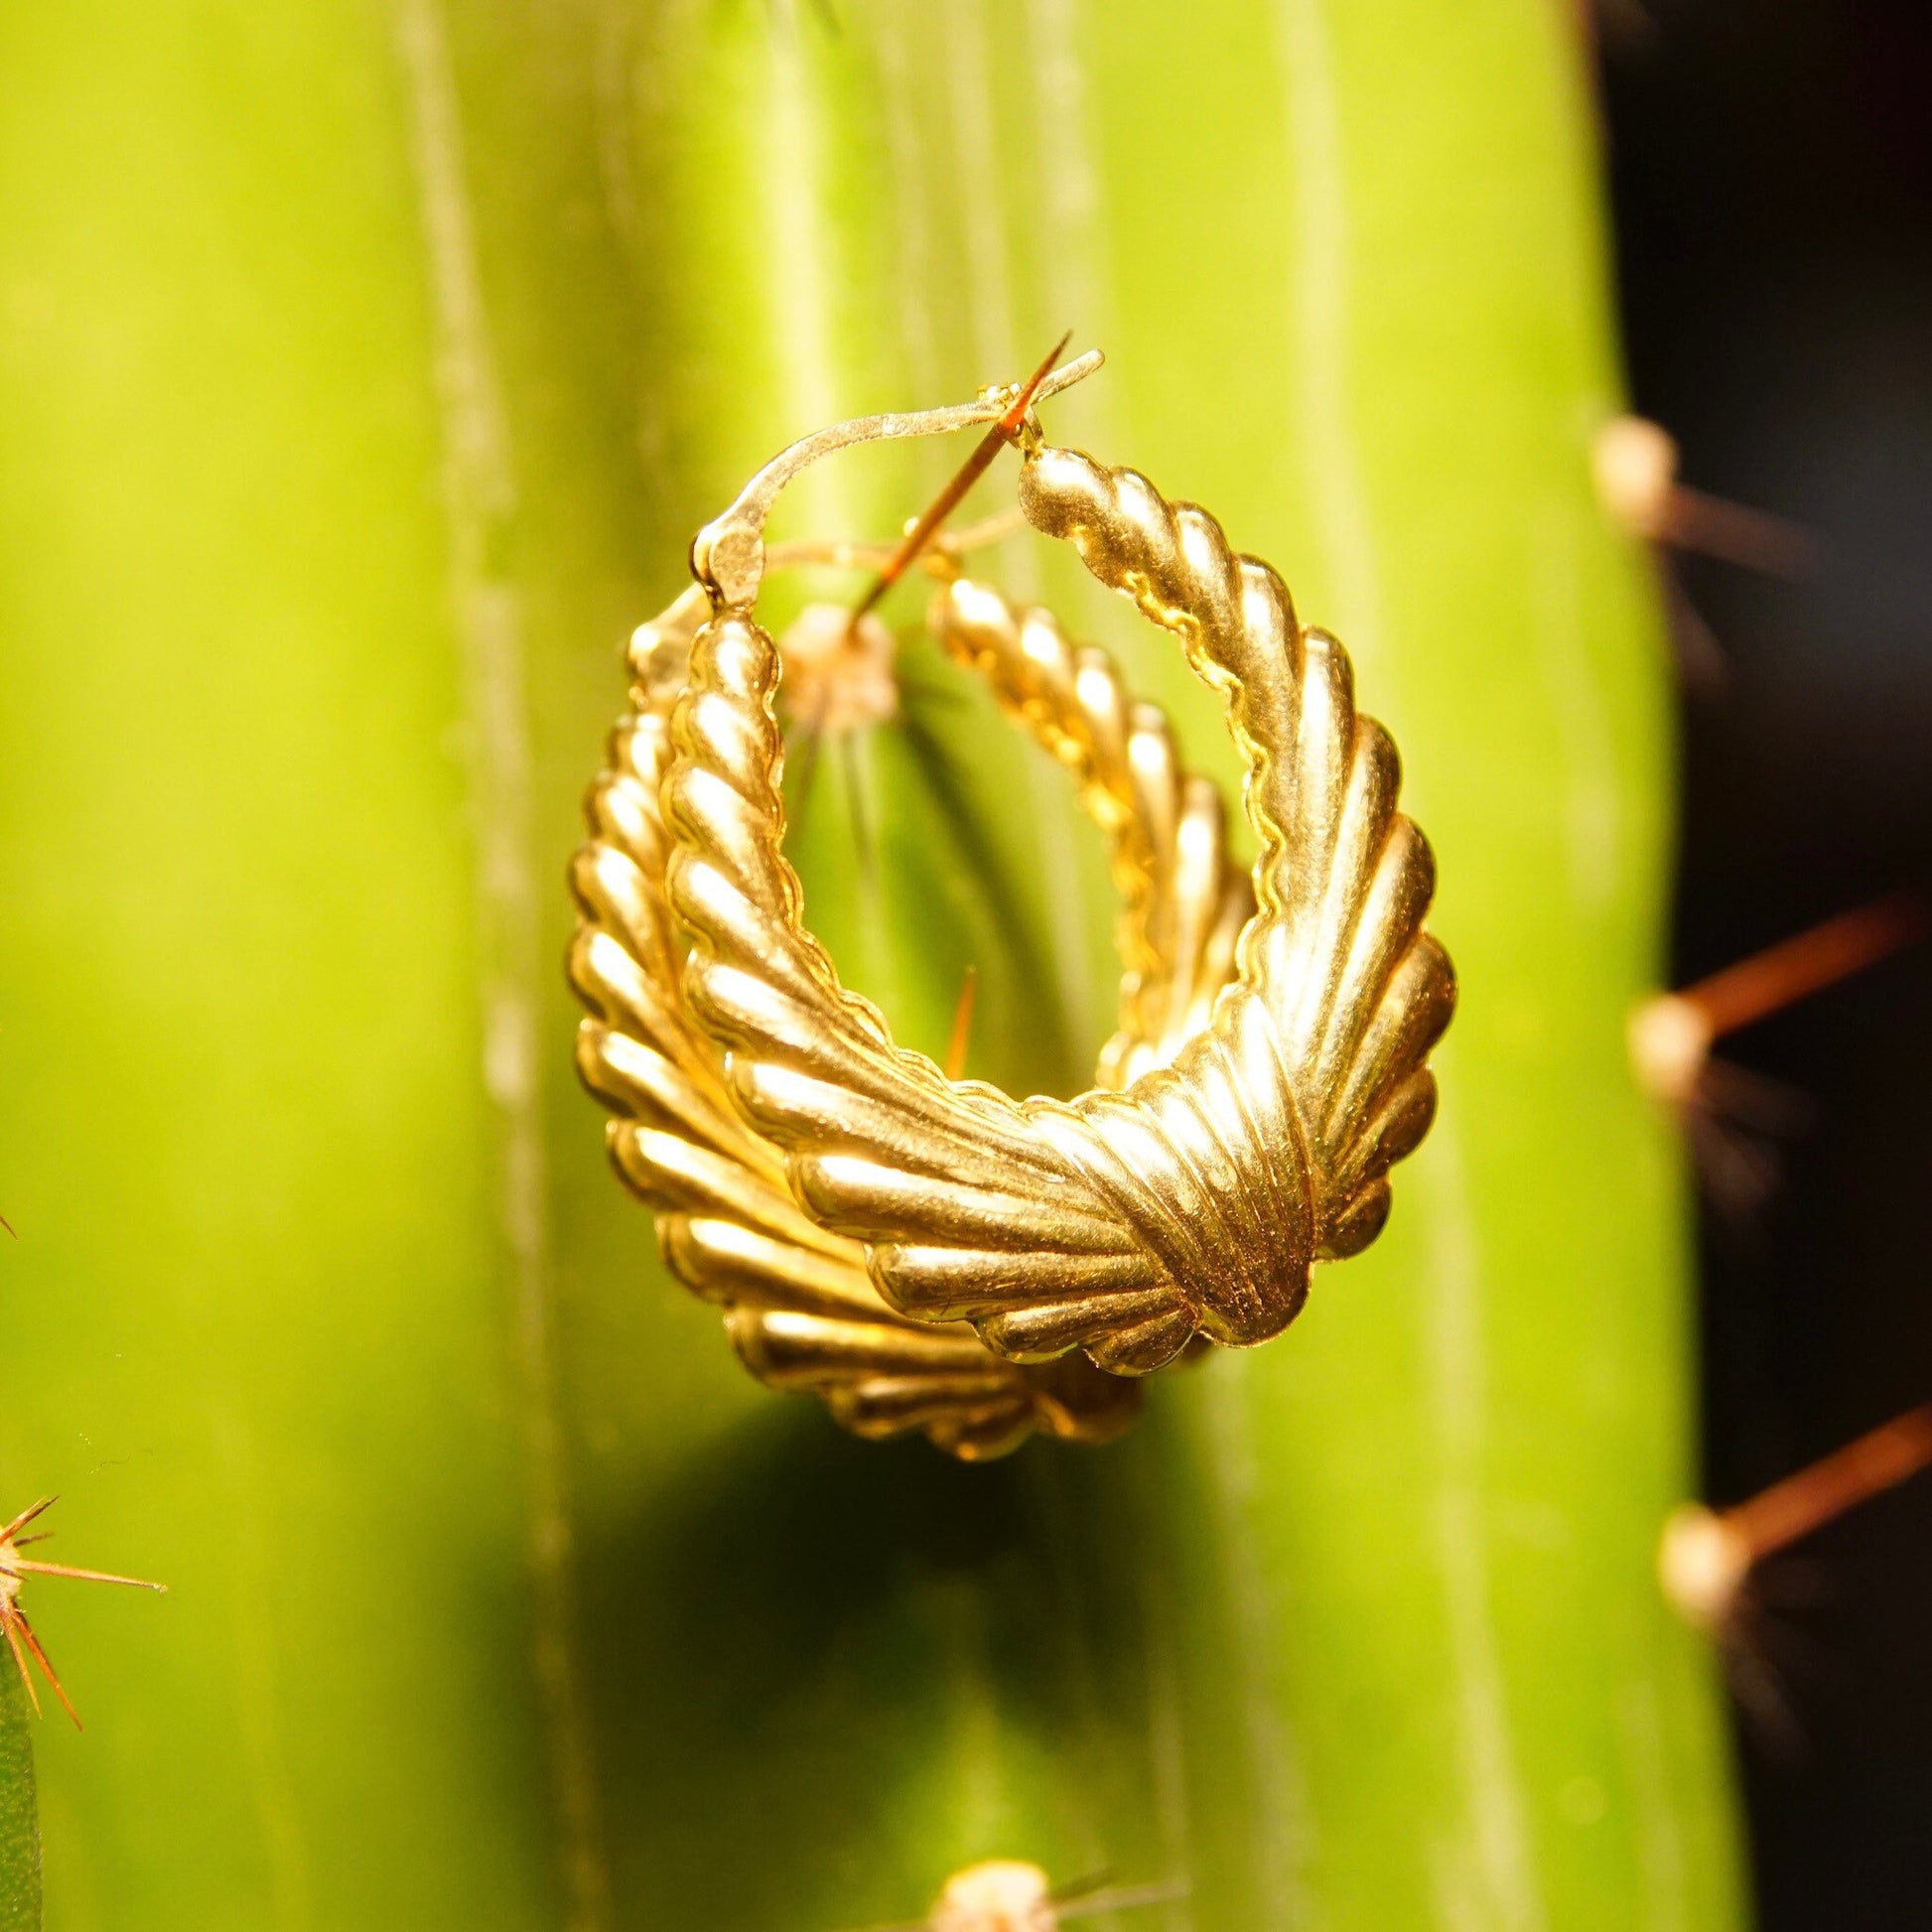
{"x": 1772, "y": 166}
{"x": 848, "y": 1618}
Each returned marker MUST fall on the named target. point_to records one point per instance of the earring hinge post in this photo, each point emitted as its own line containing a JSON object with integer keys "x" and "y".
{"x": 727, "y": 554}
{"x": 964, "y": 478}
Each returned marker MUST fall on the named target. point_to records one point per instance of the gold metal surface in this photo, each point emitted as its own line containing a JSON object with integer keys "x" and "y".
{"x": 802, "y": 1310}
{"x": 1195, "y": 1200}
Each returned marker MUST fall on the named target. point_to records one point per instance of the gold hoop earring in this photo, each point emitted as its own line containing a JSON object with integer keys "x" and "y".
{"x": 802, "y": 1310}
{"x": 1196, "y": 1201}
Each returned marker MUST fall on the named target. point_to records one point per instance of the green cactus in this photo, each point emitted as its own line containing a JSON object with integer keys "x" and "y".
{"x": 366, "y": 369}
{"x": 20, "y": 1832}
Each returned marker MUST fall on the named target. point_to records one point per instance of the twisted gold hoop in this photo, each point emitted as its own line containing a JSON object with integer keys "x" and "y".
{"x": 802, "y": 1310}
{"x": 1196, "y": 1200}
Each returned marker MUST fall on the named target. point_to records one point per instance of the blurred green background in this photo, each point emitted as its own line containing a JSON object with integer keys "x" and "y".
{"x": 365, "y": 369}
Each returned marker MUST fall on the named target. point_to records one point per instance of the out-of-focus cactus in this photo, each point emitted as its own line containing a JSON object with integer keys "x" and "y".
{"x": 367, "y": 371}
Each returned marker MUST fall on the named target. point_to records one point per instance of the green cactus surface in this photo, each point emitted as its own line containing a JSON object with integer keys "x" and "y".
{"x": 20, "y": 1832}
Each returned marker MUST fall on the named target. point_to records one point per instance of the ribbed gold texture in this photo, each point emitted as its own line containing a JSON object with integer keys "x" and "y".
{"x": 800, "y": 1309}
{"x": 1196, "y": 1199}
